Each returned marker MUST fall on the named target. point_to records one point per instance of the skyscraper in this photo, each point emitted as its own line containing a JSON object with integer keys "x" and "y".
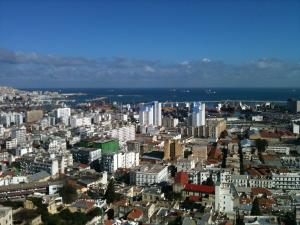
{"x": 150, "y": 114}
{"x": 198, "y": 114}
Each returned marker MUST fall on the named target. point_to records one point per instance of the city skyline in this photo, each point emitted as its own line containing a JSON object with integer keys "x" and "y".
{"x": 150, "y": 44}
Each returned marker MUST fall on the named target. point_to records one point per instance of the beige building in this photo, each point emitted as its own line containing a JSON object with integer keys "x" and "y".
{"x": 215, "y": 127}
{"x": 172, "y": 149}
{"x": 34, "y": 115}
{"x": 6, "y": 215}
{"x": 199, "y": 152}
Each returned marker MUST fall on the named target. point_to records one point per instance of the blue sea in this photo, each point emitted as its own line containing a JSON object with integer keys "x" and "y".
{"x": 137, "y": 95}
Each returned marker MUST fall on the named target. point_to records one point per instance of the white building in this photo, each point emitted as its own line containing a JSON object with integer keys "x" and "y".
{"x": 101, "y": 117}
{"x": 150, "y": 114}
{"x": 19, "y": 134}
{"x": 149, "y": 174}
{"x": 226, "y": 198}
{"x": 287, "y": 181}
{"x": 6, "y": 215}
{"x": 112, "y": 162}
{"x": 11, "y": 118}
{"x": 198, "y": 114}
{"x": 199, "y": 176}
{"x": 23, "y": 150}
{"x": 11, "y": 144}
{"x": 296, "y": 128}
{"x": 56, "y": 144}
{"x": 257, "y": 118}
{"x": 281, "y": 149}
{"x": 185, "y": 164}
{"x": 63, "y": 114}
{"x": 78, "y": 121}
{"x": 123, "y": 134}
{"x": 33, "y": 165}
{"x": 169, "y": 122}
{"x": 7, "y": 180}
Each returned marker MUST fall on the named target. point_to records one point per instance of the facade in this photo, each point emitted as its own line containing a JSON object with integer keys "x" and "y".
{"x": 281, "y": 149}
{"x": 134, "y": 146}
{"x": 198, "y": 114}
{"x": 11, "y": 143}
{"x": 293, "y": 105}
{"x": 286, "y": 181}
{"x": 172, "y": 149}
{"x": 149, "y": 174}
{"x": 63, "y": 114}
{"x": 199, "y": 152}
{"x": 226, "y": 198}
{"x": 33, "y": 165}
{"x": 150, "y": 114}
{"x": 296, "y": 128}
{"x": 34, "y": 116}
{"x": 215, "y": 127}
{"x": 86, "y": 155}
{"x": 6, "y": 216}
{"x": 184, "y": 164}
{"x": 110, "y": 162}
{"x": 106, "y": 145}
{"x": 56, "y": 144}
{"x": 80, "y": 121}
{"x": 123, "y": 134}
{"x": 7, "y": 119}
{"x": 169, "y": 122}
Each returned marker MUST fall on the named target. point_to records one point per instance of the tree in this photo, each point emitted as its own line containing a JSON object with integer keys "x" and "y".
{"x": 261, "y": 145}
{"x": 110, "y": 193}
{"x": 223, "y": 134}
{"x": 110, "y": 214}
{"x": 255, "y": 211}
{"x": 209, "y": 181}
{"x": 68, "y": 193}
{"x": 239, "y": 220}
{"x": 288, "y": 218}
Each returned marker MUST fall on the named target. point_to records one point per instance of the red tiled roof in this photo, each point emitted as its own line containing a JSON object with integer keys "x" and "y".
{"x": 199, "y": 188}
{"x": 181, "y": 178}
{"x": 108, "y": 222}
{"x": 84, "y": 204}
{"x": 276, "y": 134}
{"x": 81, "y": 165}
{"x": 245, "y": 201}
{"x": 194, "y": 198}
{"x": 214, "y": 154}
{"x": 135, "y": 214}
{"x": 256, "y": 191}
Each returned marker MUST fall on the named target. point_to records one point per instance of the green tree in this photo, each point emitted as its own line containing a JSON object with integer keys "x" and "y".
{"x": 68, "y": 193}
{"x": 110, "y": 193}
{"x": 261, "y": 145}
{"x": 255, "y": 211}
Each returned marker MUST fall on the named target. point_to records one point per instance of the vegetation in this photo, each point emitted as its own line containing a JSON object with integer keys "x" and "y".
{"x": 261, "y": 145}
{"x": 288, "y": 219}
{"x": 209, "y": 181}
{"x": 110, "y": 193}
{"x": 255, "y": 211}
{"x": 68, "y": 193}
{"x": 65, "y": 217}
{"x": 13, "y": 204}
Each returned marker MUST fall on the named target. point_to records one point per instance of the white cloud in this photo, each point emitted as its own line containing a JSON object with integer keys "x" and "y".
{"x": 149, "y": 69}
{"x": 206, "y": 60}
{"x": 31, "y": 69}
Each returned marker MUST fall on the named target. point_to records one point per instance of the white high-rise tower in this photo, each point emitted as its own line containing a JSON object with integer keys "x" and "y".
{"x": 150, "y": 114}
{"x": 198, "y": 114}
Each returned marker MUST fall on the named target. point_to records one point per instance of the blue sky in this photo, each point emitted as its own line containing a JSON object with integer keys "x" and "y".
{"x": 233, "y": 34}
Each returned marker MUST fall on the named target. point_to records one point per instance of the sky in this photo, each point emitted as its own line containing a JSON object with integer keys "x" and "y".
{"x": 150, "y": 43}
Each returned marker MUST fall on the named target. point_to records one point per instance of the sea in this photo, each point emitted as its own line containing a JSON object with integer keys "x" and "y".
{"x": 138, "y": 95}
